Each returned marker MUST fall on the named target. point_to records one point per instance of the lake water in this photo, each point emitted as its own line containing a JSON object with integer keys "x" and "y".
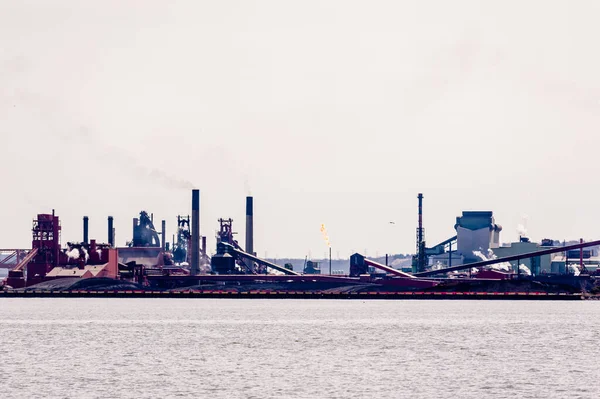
{"x": 253, "y": 348}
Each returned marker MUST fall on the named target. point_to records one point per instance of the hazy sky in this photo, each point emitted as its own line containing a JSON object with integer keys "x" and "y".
{"x": 335, "y": 112}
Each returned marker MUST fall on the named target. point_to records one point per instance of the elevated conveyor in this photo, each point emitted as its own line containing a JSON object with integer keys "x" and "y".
{"x": 233, "y": 250}
{"x": 387, "y": 269}
{"x": 21, "y": 265}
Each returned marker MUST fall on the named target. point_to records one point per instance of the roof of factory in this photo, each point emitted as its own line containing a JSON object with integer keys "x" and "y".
{"x": 95, "y": 269}
{"x": 87, "y": 271}
{"x": 67, "y": 272}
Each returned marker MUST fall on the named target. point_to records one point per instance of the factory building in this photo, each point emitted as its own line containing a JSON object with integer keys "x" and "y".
{"x": 446, "y": 260}
{"x": 476, "y": 231}
{"x": 537, "y": 264}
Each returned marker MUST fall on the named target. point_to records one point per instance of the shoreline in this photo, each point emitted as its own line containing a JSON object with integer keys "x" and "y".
{"x": 537, "y": 296}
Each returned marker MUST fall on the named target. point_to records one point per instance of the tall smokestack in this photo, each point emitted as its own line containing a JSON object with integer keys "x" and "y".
{"x": 111, "y": 232}
{"x": 420, "y": 235}
{"x": 85, "y": 229}
{"x": 163, "y": 234}
{"x": 249, "y": 226}
{"x": 420, "y": 261}
{"x": 195, "y": 266}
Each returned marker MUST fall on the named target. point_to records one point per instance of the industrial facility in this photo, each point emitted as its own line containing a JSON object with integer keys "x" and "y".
{"x": 470, "y": 260}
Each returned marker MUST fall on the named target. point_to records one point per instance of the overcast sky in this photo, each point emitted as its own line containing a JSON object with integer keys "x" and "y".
{"x": 336, "y": 112}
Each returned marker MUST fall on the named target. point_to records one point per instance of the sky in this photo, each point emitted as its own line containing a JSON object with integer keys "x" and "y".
{"x": 334, "y": 112}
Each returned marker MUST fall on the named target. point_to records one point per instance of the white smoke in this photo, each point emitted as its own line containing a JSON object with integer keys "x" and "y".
{"x": 502, "y": 266}
{"x": 436, "y": 266}
{"x": 73, "y": 254}
{"x": 522, "y": 227}
{"x": 85, "y": 253}
{"x": 524, "y": 270}
{"x": 480, "y": 255}
{"x": 274, "y": 272}
{"x": 127, "y": 162}
{"x": 574, "y": 268}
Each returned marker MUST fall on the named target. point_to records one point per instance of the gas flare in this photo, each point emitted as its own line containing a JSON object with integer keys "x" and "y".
{"x": 325, "y": 235}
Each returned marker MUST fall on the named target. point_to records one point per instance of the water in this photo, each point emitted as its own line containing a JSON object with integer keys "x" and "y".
{"x": 134, "y": 348}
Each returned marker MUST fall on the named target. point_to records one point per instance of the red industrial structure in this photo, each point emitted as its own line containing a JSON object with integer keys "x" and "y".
{"x": 47, "y": 261}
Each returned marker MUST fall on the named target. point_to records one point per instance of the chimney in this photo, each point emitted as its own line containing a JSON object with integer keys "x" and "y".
{"x": 85, "y": 229}
{"x": 111, "y": 233}
{"x": 163, "y": 234}
{"x": 195, "y": 266}
{"x": 420, "y": 264}
{"x": 249, "y": 226}
{"x": 420, "y": 231}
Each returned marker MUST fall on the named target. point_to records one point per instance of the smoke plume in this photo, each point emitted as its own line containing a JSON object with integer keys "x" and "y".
{"x": 522, "y": 227}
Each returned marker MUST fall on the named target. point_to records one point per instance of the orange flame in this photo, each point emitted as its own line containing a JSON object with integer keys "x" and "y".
{"x": 325, "y": 236}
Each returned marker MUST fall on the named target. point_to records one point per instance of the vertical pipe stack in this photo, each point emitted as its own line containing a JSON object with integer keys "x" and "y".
{"x": 420, "y": 264}
{"x": 249, "y": 232}
{"x": 249, "y": 226}
{"x": 195, "y": 266}
{"x": 111, "y": 233}
{"x": 420, "y": 235}
{"x": 164, "y": 235}
{"x": 85, "y": 229}
{"x": 581, "y": 254}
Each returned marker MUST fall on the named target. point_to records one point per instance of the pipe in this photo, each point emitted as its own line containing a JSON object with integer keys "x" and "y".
{"x": 249, "y": 226}
{"x": 420, "y": 247}
{"x": 203, "y": 245}
{"x": 163, "y": 235}
{"x": 581, "y": 254}
{"x": 195, "y": 265}
{"x": 111, "y": 235}
{"x": 420, "y": 237}
{"x": 249, "y": 248}
{"x": 85, "y": 229}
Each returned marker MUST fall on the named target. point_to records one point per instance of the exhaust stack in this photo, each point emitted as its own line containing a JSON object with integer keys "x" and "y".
{"x": 85, "y": 229}
{"x": 195, "y": 246}
{"x": 421, "y": 260}
{"x": 164, "y": 235}
{"x": 111, "y": 232}
{"x": 249, "y": 226}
